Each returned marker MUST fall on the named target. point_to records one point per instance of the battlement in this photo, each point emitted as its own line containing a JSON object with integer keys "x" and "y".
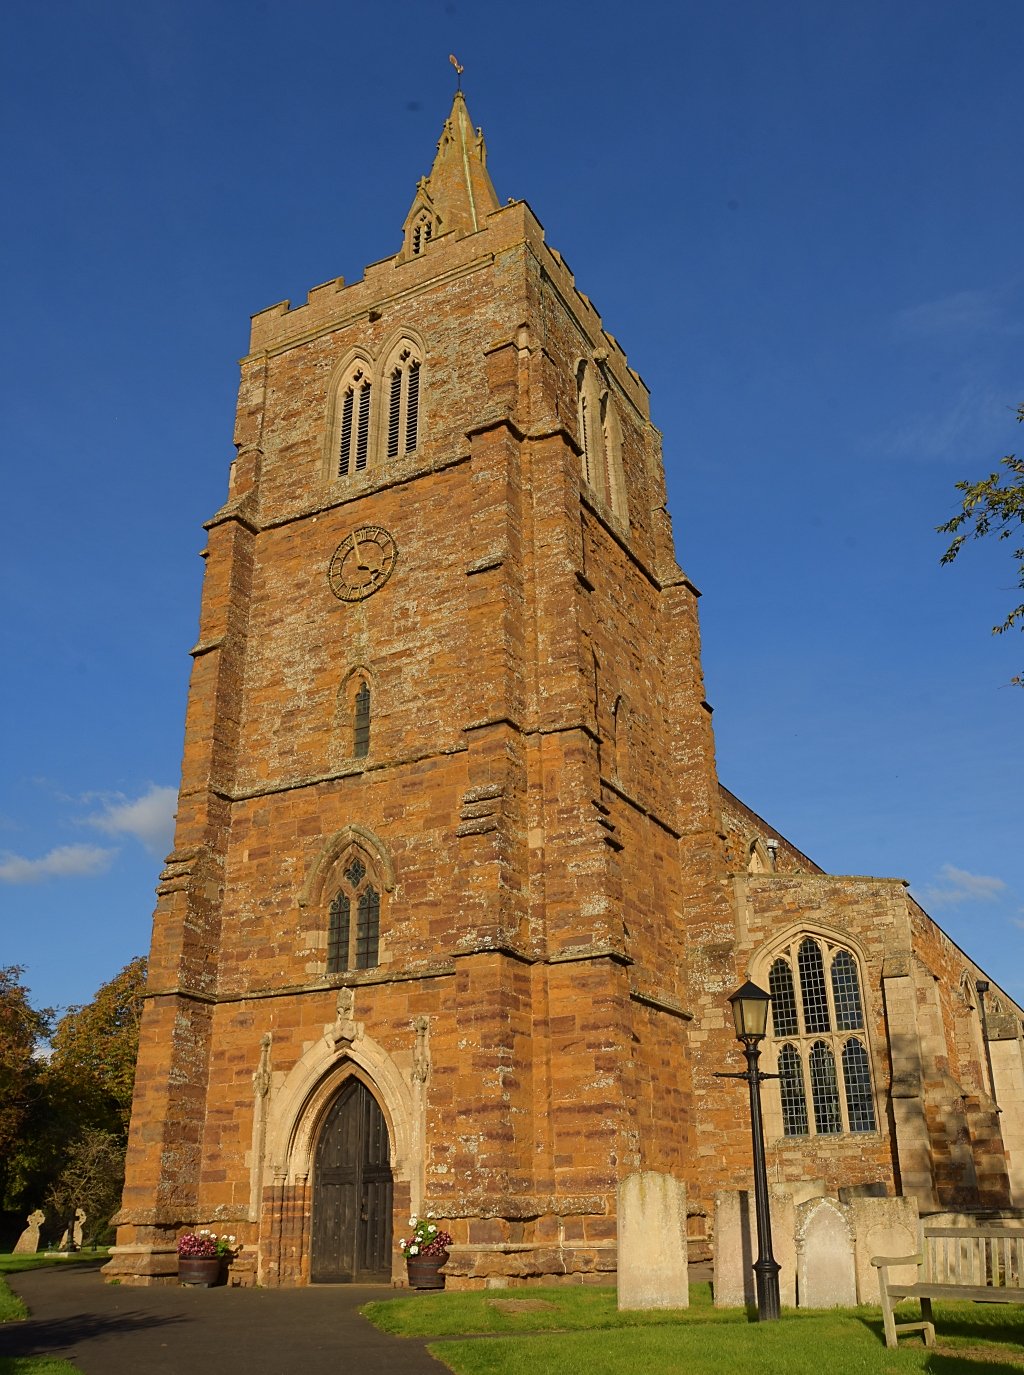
{"x": 335, "y": 304}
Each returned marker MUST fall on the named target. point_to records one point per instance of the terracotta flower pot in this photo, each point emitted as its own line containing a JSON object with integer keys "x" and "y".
{"x": 201, "y": 1271}
{"x": 425, "y": 1271}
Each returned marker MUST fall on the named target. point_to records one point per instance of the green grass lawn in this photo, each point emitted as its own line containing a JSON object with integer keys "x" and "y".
{"x": 12, "y": 1310}
{"x": 579, "y": 1331}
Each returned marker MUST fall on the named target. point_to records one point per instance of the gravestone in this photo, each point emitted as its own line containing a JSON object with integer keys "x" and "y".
{"x": 883, "y": 1227}
{"x": 652, "y": 1256}
{"x": 28, "y": 1242}
{"x": 826, "y": 1277}
{"x": 75, "y": 1235}
{"x": 736, "y": 1246}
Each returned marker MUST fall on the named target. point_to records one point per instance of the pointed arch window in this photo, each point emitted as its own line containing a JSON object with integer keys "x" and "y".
{"x": 422, "y": 233}
{"x": 403, "y": 419}
{"x": 354, "y": 439}
{"x": 825, "y": 1082}
{"x": 353, "y": 936}
{"x": 600, "y": 438}
{"x": 361, "y": 722}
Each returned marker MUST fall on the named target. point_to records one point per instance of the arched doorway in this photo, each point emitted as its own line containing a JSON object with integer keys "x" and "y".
{"x": 352, "y": 1192}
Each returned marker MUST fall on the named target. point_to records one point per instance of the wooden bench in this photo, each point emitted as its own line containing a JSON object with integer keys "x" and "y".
{"x": 960, "y": 1264}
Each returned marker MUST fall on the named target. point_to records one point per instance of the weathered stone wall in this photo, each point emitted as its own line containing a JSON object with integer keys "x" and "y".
{"x": 567, "y": 895}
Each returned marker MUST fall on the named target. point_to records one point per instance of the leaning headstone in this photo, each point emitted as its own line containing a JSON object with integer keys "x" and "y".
{"x": 75, "y": 1234}
{"x": 28, "y": 1242}
{"x": 824, "y": 1243}
{"x": 652, "y": 1257}
{"x": 883, "y": 1227}
{"x": 736, "y": 1246}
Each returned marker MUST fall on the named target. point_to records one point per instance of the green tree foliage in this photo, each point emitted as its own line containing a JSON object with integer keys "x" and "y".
{"x": 22, "y": 1029}
{"x": 993, "y": 506}
{"x": 95, "y": 1047}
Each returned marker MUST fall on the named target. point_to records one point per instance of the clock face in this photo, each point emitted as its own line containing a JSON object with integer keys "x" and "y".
{"x": 362, "y": 563}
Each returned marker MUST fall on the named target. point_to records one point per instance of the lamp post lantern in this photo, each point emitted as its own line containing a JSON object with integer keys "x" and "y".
{"x": 750, "y": 1015}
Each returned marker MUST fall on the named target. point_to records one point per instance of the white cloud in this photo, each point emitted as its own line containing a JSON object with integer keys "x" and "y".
{"x": 960, "y": 885}
{"x": 958, "y": 313}
{"x": 970, "y": 417}
{"x": 66, "y": 861}
{"x": 149, "y": 818}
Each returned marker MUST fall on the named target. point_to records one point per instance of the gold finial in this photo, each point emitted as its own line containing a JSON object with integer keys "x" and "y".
{"x": 459, "y": 69}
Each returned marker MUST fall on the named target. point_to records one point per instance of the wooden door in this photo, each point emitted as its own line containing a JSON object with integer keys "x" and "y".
{"x": 352, "y": 1192}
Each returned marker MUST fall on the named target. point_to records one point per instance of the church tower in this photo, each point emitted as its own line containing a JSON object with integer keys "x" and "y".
{"x": 456, "y": 900}
{"x": 416, "y": 946}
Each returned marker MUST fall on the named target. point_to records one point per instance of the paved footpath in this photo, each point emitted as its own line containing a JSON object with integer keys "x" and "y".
{"x": 112, "y": 1329}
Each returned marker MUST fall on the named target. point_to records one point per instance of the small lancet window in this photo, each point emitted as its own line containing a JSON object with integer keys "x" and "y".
{"x": 361, "y": 722}
{"x": 355, "y": 947}
{"x": 354, "y": 443}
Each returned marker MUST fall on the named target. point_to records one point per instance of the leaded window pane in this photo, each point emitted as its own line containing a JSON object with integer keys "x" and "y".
{"x": 824, "y": 1089}
{"x": 812, "y": 987}
{"x": 338, "y": 934}
{"x": 780, "y": 986}
{"x": 846, "y": 993}
{"x": 860, "y": 1107}
{"x": 368, "y": 929}
{"x": 791, "y": 1089}
{"x": 355, "y": 872}
{"x": 361, "y": 724}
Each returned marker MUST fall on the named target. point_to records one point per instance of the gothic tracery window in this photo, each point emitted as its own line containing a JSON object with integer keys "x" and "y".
{"x": 353, "y": 935}
{"x": 818, "y": 1027}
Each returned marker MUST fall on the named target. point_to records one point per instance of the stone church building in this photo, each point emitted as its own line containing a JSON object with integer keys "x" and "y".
{"x": 456, "y": 898}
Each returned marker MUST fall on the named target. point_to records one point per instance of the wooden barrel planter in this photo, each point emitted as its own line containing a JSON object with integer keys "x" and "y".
{"x": 425, "y": 1271}
{"x": 203, "y": 1272}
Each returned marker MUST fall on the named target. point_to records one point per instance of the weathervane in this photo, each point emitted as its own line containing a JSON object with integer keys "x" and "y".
{"x": 459, "y": 69}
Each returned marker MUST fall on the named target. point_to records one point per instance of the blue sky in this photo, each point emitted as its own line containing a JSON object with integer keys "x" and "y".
{"x": 802, "y": 221}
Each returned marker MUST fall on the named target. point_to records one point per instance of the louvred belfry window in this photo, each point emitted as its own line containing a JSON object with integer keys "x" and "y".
{"x": 354, "y": 443}
{"x": 422, "y": 233}
{"x": 818, "y": 1027}
{"x": 404, "y": 405}
{"x": 354, "y": 944}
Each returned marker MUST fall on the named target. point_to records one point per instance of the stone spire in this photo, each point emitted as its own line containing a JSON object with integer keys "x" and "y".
{"x": 458, "y": 195}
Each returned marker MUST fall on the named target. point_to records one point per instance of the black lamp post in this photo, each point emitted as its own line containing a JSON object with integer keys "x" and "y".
{"x": 750, "y": 1014}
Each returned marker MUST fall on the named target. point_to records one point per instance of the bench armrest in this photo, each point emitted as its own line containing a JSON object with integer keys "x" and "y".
{"x": 879, "y": 1261}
